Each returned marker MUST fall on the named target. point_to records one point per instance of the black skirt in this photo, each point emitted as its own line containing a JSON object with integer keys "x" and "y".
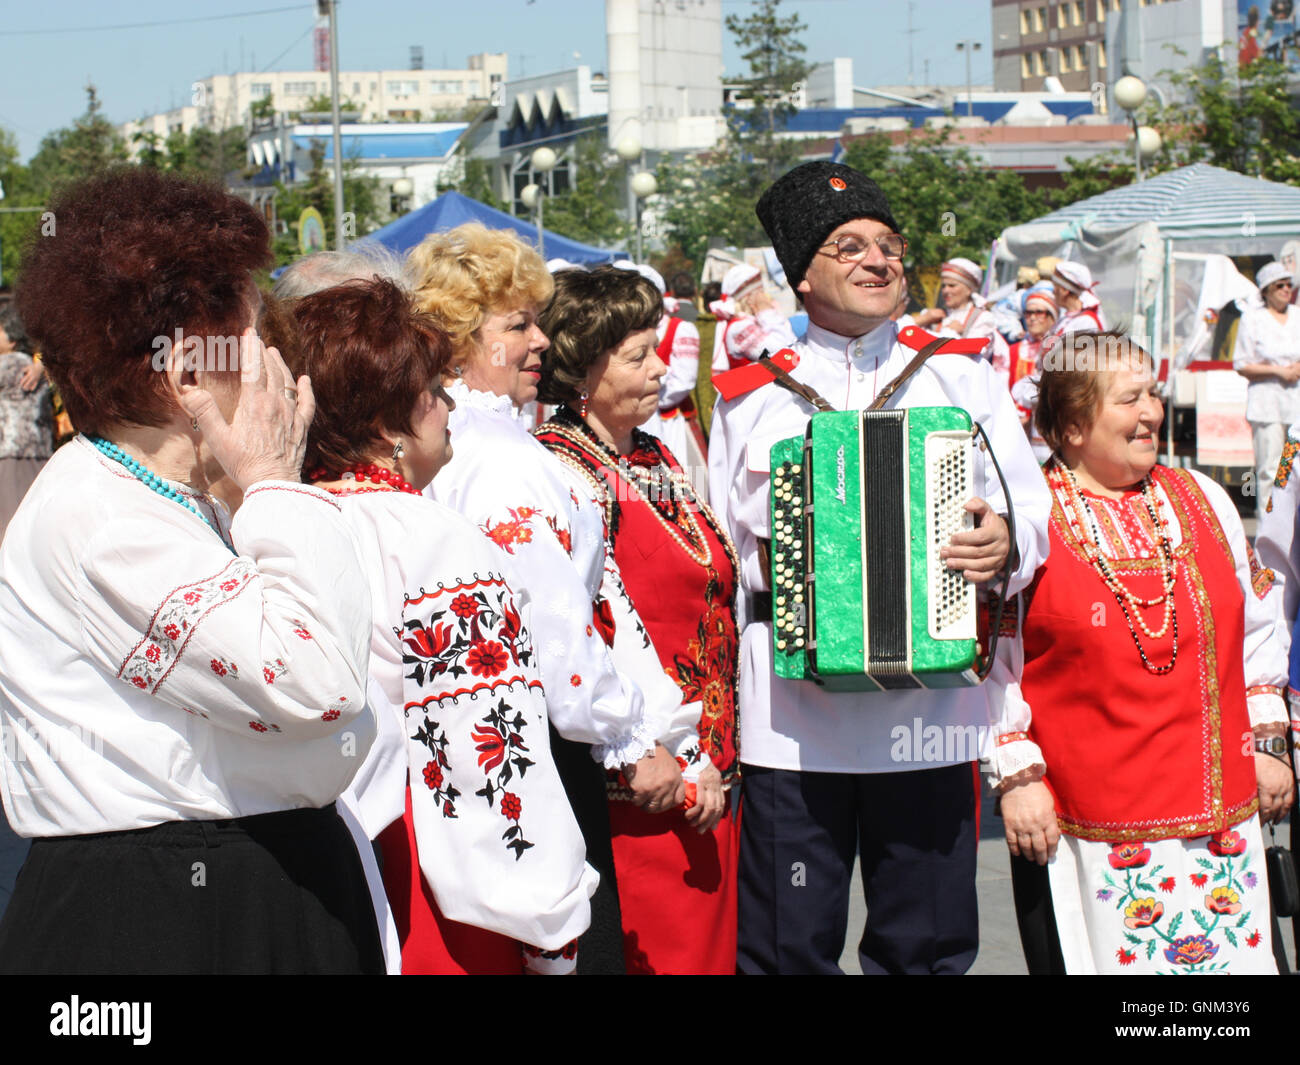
{"x": 273, "y": 893}
{"x": 600, "y": 948}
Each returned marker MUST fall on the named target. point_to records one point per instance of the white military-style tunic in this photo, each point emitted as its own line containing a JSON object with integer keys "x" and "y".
{"x": 796, "y": 725}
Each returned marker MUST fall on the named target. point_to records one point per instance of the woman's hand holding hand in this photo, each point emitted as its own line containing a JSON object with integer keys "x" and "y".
{"x": 1029, "y": 814}
{"x": 266, "y": 438}
{"x": 656, "y": 781}
{"x": 710, "y": 801}
{"x": 1276, "y": 787}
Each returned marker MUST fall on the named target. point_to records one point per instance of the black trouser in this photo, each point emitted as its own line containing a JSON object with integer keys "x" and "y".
{"x": 915, "y": 836}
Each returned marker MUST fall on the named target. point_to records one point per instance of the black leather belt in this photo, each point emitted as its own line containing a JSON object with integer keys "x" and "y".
{"x": 760, "y": 606}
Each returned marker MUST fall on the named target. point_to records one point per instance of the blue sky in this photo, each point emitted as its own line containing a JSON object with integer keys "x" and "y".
{"x": 150, "y": 68}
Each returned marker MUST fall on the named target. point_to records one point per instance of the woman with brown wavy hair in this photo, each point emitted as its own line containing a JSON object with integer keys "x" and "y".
{"x": 676, "y": 871}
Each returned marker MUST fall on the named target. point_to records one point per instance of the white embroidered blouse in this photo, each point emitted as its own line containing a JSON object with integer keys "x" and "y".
{"x": 148, "y": 673}
{"x": 553, "y": 542}
{"x": 453, "y": 666}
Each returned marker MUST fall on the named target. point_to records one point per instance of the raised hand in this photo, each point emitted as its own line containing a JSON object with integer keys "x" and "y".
{"x": 266, "y": 436}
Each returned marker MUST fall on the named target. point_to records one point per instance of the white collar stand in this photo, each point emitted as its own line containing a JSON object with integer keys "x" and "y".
{"x": 871, "y": 346}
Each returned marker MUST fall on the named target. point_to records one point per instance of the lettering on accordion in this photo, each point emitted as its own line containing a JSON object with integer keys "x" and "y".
{"x": 861, "y": 505}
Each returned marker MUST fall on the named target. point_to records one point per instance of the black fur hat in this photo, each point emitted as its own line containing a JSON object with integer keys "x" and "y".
{"x": 804, "y": 206}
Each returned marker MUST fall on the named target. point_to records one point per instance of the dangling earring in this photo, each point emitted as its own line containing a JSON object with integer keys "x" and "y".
{"x": 582, "y": 404}
{"x": 458, "y": 370}
{"x": 399, "y": 451}
{"x": 194, "y": 424}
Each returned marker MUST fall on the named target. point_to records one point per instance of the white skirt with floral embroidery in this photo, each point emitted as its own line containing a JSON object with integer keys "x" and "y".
{"x": 1174, "y": 906}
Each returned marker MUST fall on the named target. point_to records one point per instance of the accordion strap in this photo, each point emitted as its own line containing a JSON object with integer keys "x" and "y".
{"x": 908, "y": 370}
{"x": 791, "y": 385}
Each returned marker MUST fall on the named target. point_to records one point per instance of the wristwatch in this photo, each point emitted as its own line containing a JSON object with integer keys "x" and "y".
{"x": 1278, "y": 746}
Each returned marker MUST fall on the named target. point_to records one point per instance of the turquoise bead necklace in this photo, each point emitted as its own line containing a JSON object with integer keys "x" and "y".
{"x": 150, "y": 480}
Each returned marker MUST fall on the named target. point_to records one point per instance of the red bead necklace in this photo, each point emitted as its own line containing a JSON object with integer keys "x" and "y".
{"x": 386, "y": 480}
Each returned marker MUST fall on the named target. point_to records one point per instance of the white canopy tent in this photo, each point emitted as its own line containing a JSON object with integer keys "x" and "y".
{"x": 1136, "y": 241}
{"x": 1158, "y": 251}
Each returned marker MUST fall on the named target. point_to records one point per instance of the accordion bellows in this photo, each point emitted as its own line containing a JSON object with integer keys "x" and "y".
{"x": 860, "y": 506}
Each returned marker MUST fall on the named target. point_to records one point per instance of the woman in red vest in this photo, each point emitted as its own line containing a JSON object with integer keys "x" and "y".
{"x": 1152, "y": 739}
{"x": 677, "y": 869}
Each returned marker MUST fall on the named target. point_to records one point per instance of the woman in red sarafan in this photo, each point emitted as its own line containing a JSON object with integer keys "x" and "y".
{"x": 676, "y": 870}
{"x": 1138, "y": 792}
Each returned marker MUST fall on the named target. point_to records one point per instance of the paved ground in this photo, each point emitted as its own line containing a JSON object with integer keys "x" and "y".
{"x": 999, "y": 940}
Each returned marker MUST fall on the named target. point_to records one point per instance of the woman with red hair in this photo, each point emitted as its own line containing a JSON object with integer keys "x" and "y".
{"x": 186, "y": 691}
{"x": 483, "y": 861}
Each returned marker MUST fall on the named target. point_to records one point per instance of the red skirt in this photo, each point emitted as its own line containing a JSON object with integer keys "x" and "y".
{"x": 432, "y": 945}
{"x": 677, "y": 891}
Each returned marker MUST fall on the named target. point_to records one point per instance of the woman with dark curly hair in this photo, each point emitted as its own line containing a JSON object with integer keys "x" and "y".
{"x": 676, "y": 871}
{"x": 185, "y": 692}
{"x": 483, "y": 861}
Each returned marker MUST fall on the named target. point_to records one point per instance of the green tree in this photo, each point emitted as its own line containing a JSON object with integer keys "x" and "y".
{"x": 710, "y": 198}
{"x": 944, "y": 199}
{"x": 475, "y": 181}
{"x": 589, "y": 209}
{"x": 1240, "y": 120}
{"x": 322, "y": 104}
{"x": 770, "y": 45}
{"x": 360, "y": 199}
{"x": 89, "y": 147}
{"x": 207, "y": 153}
{"x": 264, "y": 108}
{"x": 1090, "y": 177}
{"x": 20, "y": 191}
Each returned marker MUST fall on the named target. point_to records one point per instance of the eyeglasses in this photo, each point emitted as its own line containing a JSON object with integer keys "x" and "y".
{"x": 1048, "y": 313}
{"x": 850, "y": 249}
{"x": 1284, "y": 284}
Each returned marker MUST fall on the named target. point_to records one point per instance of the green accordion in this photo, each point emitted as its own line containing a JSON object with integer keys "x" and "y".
{"x": 860, "y": 506}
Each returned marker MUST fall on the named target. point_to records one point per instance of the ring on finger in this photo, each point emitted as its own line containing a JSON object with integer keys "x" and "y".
{"x": 291, "y": 394}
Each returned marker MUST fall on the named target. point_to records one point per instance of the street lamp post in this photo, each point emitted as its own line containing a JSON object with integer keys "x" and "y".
{"x": 968, "y": 47}
{"x": 543, "y": 161}
{"x": 1130, "y": 92}
{"x": 643, "y": 184}
{"x": 629, "y": 150}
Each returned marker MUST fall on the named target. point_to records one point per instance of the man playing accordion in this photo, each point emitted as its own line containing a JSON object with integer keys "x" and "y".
{"x": 830, "y": 774}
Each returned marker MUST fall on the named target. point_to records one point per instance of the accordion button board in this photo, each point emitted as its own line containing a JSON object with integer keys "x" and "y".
{"x": 861, "y": 505}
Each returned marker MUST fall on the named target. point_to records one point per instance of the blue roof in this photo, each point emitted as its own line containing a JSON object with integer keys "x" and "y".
{"x": 451, "y": 209}
{"x": 831, "y": 119}
{"x": 388, "y": 145}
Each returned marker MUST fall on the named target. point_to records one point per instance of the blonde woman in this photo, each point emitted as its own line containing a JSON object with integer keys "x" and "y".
{"x": 485, "y": 289}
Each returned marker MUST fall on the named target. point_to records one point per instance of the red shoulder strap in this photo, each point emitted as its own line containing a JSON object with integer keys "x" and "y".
{"x": 665, "y": 349}
{"x": 739, "y": 382}
{"x": 916, "y": 338}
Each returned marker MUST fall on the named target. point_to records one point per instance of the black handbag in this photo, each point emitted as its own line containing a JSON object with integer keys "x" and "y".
{"x": 1282, "y": 887}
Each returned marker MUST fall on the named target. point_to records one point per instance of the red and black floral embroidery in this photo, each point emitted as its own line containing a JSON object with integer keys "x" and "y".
{"x": 479, "y": 633}
{"x": 472, "y": 629}
{"x": 174, "y": 622}
{"x": 433, "y": 736}
{"x": 503, "y": 754}
{"x": 561, "y": 533}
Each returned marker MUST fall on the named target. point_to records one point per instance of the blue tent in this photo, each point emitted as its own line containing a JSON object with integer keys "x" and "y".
{"x": 451, "y": 209}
